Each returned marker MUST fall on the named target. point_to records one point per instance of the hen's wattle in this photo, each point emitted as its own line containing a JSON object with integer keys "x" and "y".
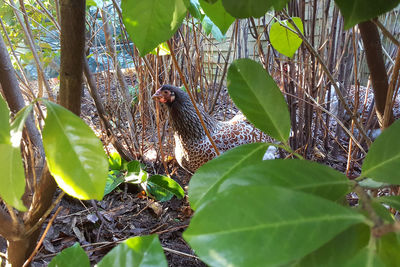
{"x": 192, "y": 146}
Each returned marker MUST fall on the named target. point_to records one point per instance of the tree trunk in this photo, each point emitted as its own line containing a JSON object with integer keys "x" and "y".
{"x": 376, "y": 65}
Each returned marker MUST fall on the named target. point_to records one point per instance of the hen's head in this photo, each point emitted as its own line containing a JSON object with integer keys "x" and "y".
{"x": 169, "y": 94}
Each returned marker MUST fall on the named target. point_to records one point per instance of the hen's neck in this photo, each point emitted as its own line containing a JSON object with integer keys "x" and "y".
{"x": 186, "y": 122}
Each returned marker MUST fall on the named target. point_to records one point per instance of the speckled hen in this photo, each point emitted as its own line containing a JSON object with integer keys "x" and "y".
{"x": 192, "y": 146}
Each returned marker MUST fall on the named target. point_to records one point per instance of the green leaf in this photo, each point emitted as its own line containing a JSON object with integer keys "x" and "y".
{"x": 136, "y": 177}
{"x": 251, "y": 8}
{"x": 164, "y": 188}
{"x": 265, "y": 226}
{"x": 151, "y": 22}
{"x": 210, "y": 27}
{"x": 393, "y": 201}
{"x": 218, "y": 15}
{"x": 113, "y": 181}
{"x": 12, "y": 178}
{"x": 194, "y": 9}
{"x": 340, "y": 249}
{"x": 356, "y": 11}
{"x": 75, "y": 156}
{"x": 255, "y": 93}
{"x": 365, "y": 258}
{"x": 163, "y": 50}
{"x": 18, "y": 124}
{"x": 205, "y": 182}
{"x": 388, "y": 247}
{"x": 72, "y": 256}
{"x": 95, "y": 3}
{"x": 134, "y": 252}
{"x": 4, "y": 122}
{"x": 134, "y": 166}
{"x": 300, "y": 175}
{"x": 114, "y": 161}
{"x": 382, "y": 162}
{"x": 283, "y": 40}
{"x": 372, "y": 184}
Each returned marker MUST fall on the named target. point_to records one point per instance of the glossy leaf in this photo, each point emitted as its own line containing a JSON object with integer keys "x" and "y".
{"x": 247, "y": 8}
{"x": 365, "y": 258}
{"x": 133, "y": 166}
{"x": 255, "y": 93}
{"x": 114, "y": 161}
{"x": 218, "y": 15}
{"x": 393, "y": 201}
{"x": 369, "y": 183}
{"x": 136, "y": 177}
{"x": 340, "y": 249}
{"x": 4, "y": 122}
{"x": 382, "y": 162}
{"x": 210, "y": 27}
{"x": 283, "y": 40}
{"x": 356, "y": 11}
{"x": 18, "y": 125}
{"x": 75, "y": 156}
{"x": 299, "y": 175}
{"x": 113, "y": 181}
{"x": 12, "y": 178}
{"x": 72, "y": 256}
{"x": 143, "y": 251}
{"x": 164, "y": 188}
{"x": 162, "y": 49}
{"x": 194, "y": 9}
{"x": 205, "y": 182}
{"x": 151, "y": 22}
{"x": 388, "y": 247}
{"x": 265, "y": 226}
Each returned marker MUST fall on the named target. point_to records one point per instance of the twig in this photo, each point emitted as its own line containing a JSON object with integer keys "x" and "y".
{"x": 389, "y": 96}
{"x": 181, "y": 253}
{"x": 27, "y": 262}
{"x": 386, "y": 32}
{"x": 327, "y": 72}
{"x": 45, "y": 215}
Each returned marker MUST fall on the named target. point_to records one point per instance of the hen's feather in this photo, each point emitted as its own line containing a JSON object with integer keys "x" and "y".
{"x": 192, "y": 146}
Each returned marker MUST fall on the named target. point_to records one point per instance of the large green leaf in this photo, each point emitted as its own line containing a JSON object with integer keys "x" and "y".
{"x": 75, "y": 156}
{"x": 194, "y": 9}
{"x": 72, "y": 256}
{"x": 283, "y": 40}
{"x": 4, "y": 122}
{"x": 265, "y": 226}
{"x": 164, "y": 188}
{"x": 210, "y": 27}
{"x": 151, "y": 22}
{"x": 12, "y": 176}
{"x": 340, "y": 249}
{"x": 299, "y": 175}
{"x": 356, "y": 11}
{"x": 144, "y": 251}
{"x": 366, "y": 257}
{"x": 255, "y": 92}
{"x": 252, "y": 8}
{"x": 205, "y": 182}
{"x": 382, "y": 162}
{"x": 388, "y": 247}
{"x": 218, "y": 15}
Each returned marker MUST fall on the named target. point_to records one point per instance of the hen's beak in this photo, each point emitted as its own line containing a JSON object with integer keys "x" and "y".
{"x": 157, "y": 95}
